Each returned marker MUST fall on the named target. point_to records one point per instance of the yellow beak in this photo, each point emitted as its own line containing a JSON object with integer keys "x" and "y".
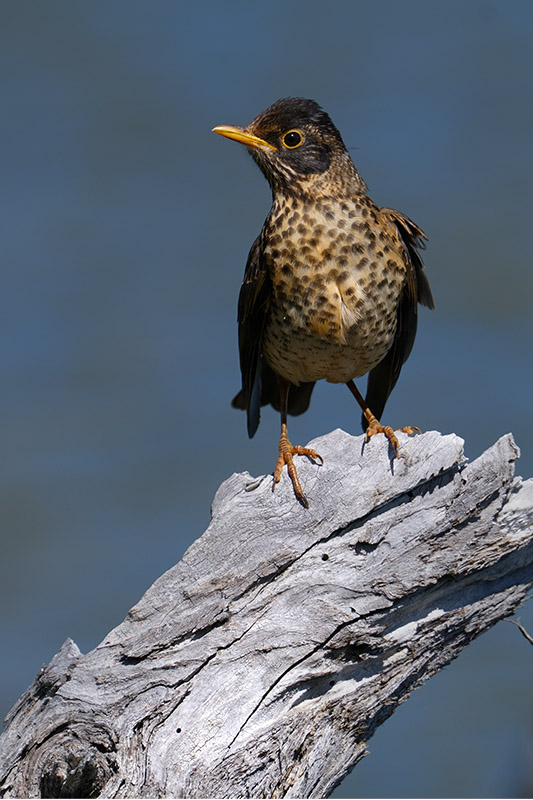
{"x": 242, "y": 135}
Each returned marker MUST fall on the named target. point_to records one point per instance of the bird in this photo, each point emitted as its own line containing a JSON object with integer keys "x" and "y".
{"x": 331, "y": 284}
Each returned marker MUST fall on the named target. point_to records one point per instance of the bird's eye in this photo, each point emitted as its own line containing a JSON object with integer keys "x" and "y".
{"x": 292, "y": 139}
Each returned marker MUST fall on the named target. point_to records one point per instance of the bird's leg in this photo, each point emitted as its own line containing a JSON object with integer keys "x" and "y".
{"x": 374, "y": 425}
{"x": 287, "y": 450}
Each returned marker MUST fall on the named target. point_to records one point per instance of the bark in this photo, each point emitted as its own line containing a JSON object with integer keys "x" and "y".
{"x": 262, "y": 663}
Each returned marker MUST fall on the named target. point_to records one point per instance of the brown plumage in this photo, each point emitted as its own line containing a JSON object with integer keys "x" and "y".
{"x": 332, "y": 282}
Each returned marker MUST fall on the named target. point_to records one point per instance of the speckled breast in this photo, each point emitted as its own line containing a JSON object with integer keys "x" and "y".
{"x": 337, "y": 272}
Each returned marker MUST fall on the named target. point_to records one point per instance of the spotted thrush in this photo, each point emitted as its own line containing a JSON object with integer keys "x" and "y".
{"x": 332, "y": 282}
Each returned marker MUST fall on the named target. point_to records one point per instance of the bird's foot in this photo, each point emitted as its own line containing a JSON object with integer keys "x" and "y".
{"x": 286, "y": 453}
{"x": 374, "y": 426}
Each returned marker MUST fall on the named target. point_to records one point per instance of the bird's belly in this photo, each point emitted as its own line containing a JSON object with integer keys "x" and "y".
{"x": 340, "y": 335}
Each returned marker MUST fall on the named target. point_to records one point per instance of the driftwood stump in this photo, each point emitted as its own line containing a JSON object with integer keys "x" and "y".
{"x": 262, "y": 663}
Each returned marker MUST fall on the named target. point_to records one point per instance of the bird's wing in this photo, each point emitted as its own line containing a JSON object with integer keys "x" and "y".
{"x": 413, "y": 240}
{"x": 254, "y": 299}
{"x": 259, "y": 383}
{"x": 383, "y": 377}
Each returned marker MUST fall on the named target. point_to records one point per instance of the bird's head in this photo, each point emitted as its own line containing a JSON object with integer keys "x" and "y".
{"x": 298, "y": 148}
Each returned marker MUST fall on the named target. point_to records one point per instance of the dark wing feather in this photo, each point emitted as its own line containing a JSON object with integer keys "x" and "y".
{"x": 413, "y": 240}
{"x": 383, "y": 377}
{"x": 254, "y": 298}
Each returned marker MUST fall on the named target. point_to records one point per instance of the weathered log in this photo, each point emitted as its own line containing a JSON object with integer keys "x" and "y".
{"x": 262, "y": 663}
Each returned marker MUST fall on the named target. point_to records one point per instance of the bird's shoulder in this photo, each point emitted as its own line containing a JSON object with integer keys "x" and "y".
{"x": 412, "y": 239}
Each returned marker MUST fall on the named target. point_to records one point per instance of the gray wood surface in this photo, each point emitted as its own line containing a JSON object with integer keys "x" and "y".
{"x": 261, "y": 664}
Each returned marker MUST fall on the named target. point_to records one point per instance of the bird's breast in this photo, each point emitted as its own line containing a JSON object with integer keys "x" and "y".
{"x": 337, "y": 271}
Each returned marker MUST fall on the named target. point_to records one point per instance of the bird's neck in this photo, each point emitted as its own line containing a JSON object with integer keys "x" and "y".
{"x": 341, "y": 180}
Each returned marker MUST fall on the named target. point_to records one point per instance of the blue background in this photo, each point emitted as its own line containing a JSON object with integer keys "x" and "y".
{"x": 124, "y": 230}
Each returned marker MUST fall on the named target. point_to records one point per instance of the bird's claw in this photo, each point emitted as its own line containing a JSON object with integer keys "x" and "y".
{"x": 286, "y": 453}
{"x": 376, "y": 427}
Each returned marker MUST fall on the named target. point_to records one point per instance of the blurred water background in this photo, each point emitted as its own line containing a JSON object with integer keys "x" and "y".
{"x": 125, "y": 227}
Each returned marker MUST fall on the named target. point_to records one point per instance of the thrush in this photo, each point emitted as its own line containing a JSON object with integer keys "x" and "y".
{"x": 331, "y": 284}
